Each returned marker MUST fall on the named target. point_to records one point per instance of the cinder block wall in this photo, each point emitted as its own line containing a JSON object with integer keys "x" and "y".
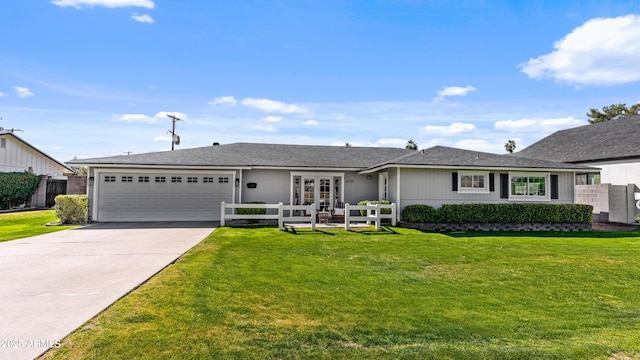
{"x": 76, "y": 185}
{"x": 594, "y": 195}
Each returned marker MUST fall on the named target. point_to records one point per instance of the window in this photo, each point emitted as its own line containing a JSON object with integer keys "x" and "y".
{"x": 207, "y": 179}
{"x": 127, "y": 179}
{"x": 143, "y": 179}
{"x": 223, "y": 180}
{"x": 473, "y": 182}
{"x": 109, "y": 179}
{"x": 176, "y": 179}
{"x": 529, "y": 186}
{"x": 3, "y": 143}
{"x": 192, "y": 179}
{"x": 588, "y": 179}
{"x": 161, "y": 179}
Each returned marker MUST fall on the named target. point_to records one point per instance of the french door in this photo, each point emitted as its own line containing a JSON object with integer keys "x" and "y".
{"x": 317, "y": 190}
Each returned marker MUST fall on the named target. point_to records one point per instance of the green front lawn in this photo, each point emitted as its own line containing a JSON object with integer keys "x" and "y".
{"x": 23, "y": 224}
{"x": 263, "y": 294}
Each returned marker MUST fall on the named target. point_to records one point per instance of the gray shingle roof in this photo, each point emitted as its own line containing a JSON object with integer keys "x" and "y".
{"x": 311, "y": 156}
{"x": 447, "y": 156}
{"x": 614, "y": 139}
{"x": 250, "y": 154}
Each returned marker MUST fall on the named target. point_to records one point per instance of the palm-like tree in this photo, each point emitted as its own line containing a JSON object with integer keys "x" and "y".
{"x": 510, "y": 146}
{"x": 411, "y": 145}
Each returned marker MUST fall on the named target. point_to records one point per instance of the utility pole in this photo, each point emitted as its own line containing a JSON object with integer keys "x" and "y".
{"x": 12, "y": 130}
{"x": 175, "y": 138}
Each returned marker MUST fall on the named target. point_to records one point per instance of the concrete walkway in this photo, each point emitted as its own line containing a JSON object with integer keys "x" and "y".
{"x": 51, "y": 284}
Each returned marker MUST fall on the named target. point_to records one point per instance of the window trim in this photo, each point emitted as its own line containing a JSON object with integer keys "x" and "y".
{"x": 473, "y": 190}
{"x": 547, "y": 186}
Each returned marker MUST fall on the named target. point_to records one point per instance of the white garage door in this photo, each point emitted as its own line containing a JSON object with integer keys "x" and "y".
{"x": 157, "y": 197}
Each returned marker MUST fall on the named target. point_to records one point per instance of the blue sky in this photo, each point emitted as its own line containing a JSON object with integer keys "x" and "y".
{"x": 89, "y": 78}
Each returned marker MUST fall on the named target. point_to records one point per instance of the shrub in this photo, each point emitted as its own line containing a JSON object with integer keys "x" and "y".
{"x": 420, "y": 214}
{"x": 251, "y": 211}
{"x": 71, "y": 208}
{"x": 504, "y": 214}
{"x": 381, "y": 202}
{"x": 16, "y": 188}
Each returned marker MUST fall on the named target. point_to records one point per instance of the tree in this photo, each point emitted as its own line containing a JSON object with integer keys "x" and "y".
{"x": 510, "y": 146}
{"x": 411, "y": 145}
{"x": 347, "y": 144}
{"x": 612, "y": 112}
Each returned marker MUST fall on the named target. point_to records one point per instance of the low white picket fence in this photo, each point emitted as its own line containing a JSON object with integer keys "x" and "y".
{"x": 307, "y": 214}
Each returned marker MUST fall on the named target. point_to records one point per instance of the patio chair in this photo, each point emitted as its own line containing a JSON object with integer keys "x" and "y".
{"x": 338, "y": 210}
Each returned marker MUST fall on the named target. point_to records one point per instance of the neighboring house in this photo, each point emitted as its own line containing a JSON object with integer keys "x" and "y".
{"x": 613, "y": 146}
{"x": 17, "y": 155}
{"x": 190, "y": 184}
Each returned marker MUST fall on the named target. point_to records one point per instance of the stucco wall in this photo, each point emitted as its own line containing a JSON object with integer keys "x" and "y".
{"x": 619, "y": 172}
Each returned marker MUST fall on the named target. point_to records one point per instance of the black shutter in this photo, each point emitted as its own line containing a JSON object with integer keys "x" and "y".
{"x": 554, "y": 186}
{"x": 492, "y": 185}
{"x": 454, "y": 181}
{"x": 504, "y": 186}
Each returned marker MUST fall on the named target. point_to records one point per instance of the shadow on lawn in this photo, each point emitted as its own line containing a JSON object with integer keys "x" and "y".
{"x": 384, "y": 230}
{"x": 574, "y": 234}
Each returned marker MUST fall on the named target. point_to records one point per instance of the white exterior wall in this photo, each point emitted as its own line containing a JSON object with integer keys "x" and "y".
{"x": 272, "y": 186}
{"x": 17, "y": 156}
{"x": 620, "y": 172}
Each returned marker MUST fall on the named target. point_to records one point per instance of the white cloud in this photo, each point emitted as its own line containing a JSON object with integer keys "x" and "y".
{"x": 454, "y": 91}
{"x": 395, "y": 142}
{"x": 602, "y": 51}
{"x": 272, "y": 118}
{"x": 144, "y": 18}
{"x": 163, "y": 138}
{"x": 79, "y": 4}
{"x": 3, "y": 94}
{"x": 223, "y": 100}
{"x": 163, "y": 115}
{"x": 311, "y": 122}
{"x": 136, "y": 118}
{"x": 537, "y": 125}
{"x": 22, "y": 92}
{"x": 453, "y": 129}
{"x": 273, "y": 106}
{"x": 267, "y": 128}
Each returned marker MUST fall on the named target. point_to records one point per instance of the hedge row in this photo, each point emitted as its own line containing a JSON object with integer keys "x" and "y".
{"x": 499, "y": 214}
{"x": 16, "y": 188}
{"x": 252, "y": 211}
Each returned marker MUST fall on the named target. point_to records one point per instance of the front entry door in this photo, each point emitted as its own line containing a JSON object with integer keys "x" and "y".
{"x": 317, "y": 190}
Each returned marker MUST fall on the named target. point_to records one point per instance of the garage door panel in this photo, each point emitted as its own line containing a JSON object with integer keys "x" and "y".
{"x": 136, "y": 200}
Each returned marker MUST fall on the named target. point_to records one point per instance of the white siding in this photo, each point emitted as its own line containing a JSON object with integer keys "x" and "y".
{"x": 434, "y": 188}
{"x": 17, "y": 156}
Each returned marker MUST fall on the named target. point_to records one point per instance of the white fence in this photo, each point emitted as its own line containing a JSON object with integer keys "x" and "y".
{"x": 307, "y": 214}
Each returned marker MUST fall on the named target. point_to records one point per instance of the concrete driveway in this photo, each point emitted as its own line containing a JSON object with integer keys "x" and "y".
{"x": 51, "y": 284}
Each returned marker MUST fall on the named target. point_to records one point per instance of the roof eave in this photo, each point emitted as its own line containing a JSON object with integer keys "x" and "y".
{"x": 469, "y": 167}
